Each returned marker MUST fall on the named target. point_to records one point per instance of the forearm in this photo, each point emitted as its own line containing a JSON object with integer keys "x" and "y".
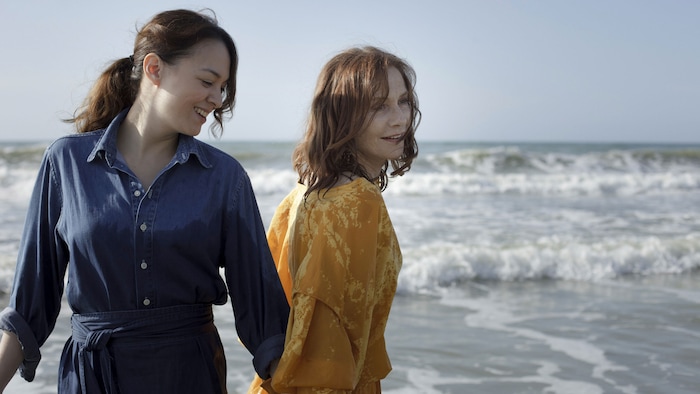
{"x": 11, "y": 356}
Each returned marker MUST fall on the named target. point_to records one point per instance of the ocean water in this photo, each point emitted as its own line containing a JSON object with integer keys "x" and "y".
{"x": 528, "y": 268}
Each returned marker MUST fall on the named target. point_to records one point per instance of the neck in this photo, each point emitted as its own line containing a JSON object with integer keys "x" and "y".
{"x": 141, "y": 135}
{"x": 146, "y": 152}
{"x": 372, "y": 170}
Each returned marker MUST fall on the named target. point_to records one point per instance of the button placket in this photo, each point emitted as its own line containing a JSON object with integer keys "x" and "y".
{"x": 144, "y": 217}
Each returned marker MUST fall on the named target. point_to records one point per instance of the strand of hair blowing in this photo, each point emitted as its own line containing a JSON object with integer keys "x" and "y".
{"x": 113, "y": 91}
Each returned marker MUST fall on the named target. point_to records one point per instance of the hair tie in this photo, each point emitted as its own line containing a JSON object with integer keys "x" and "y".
{"x": 131, "y": 59}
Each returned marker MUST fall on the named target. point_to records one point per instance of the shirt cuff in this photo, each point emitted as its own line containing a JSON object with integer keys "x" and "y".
{"x": 13, "y": 322}
{"x": 268, "y": 351}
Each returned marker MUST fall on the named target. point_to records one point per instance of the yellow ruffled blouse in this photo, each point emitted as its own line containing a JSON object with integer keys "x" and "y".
{"x": 338, "y": 259}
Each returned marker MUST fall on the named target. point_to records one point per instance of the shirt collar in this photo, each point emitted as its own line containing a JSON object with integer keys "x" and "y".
{"x": 106, "y": 146}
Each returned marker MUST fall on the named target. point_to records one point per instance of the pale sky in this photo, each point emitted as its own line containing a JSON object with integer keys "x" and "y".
{"x": 489, "y": 70}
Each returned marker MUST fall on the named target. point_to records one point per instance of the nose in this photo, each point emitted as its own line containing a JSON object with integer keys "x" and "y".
{"x": 399, "y": 115}
{"x": 216, "y": 97}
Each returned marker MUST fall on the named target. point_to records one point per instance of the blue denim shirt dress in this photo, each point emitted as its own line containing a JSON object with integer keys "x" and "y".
{"x": 143, "y": 268}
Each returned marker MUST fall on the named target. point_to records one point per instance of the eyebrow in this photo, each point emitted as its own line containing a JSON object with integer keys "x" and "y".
{"x": 216, "y": 74}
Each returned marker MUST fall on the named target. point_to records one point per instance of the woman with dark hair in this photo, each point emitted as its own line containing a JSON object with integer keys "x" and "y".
{"x": 332, "y": 240}
{"x": 143, "y": 217}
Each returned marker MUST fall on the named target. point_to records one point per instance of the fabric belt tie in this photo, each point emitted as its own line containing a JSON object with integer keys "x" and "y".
{"x": 93, "y": 331}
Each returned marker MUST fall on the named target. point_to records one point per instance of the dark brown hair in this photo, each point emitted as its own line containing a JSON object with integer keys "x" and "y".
{"x": 171, "y": 35}
{"x": 346, "y": 89}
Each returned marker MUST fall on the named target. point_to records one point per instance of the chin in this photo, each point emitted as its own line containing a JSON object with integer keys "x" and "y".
{"x": 397, "y": 154}
{"x": 193, "y": 133}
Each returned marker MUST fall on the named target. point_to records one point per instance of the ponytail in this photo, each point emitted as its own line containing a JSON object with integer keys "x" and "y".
{"x": 113, "y": 91}
{"x": 171, "y": 35}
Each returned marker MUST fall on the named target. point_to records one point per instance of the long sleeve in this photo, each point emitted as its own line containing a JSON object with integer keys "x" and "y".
{"x": 260, "y": 307}
{"x": 318, "y": 342}
{"x": 278, "y": 238}
{"x": 41, "y": 265}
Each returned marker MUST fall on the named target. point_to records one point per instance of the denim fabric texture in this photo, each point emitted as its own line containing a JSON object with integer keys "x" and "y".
{"x": 122, "y": 247}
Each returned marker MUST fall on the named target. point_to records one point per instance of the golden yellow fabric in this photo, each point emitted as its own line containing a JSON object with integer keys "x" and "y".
{"x": 338, "y": 260}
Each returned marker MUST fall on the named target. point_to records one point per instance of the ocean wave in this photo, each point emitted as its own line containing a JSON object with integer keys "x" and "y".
{"x": 19, "y": 164}
{"x": 538, "y": 170}
{"x": 273, "y": 181}
{"x": 519, "y": 160}
{"x": 29, "y": 153}
{"x": 511, "y": 170}
{"x": 430, "y": 267}
{"x": 558, "y": 184}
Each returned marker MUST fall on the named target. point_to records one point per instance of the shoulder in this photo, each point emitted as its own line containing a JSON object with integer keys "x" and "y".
{"x": 287, "y": 208}
{"x": 79, "y": 144}
{"x": 368, "y": 190}
{"x": 294, "y": 196}
{"x": 76, "y": 140}
{"x": 351, "y": 203}
{"x": 216, "y": 156}
{"x": 358, "y": 193}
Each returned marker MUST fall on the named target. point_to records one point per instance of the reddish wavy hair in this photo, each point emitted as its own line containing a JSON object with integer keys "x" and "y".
{"x": 346, "y": 89}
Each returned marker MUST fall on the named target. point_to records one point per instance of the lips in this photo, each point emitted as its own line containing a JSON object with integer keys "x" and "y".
{"x": 201, "y": 112}
{"x": 394, "y": 138}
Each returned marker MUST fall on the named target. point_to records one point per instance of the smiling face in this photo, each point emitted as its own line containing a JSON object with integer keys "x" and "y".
{"x": 382, "y": 139}
{"x": 192, "y": 88}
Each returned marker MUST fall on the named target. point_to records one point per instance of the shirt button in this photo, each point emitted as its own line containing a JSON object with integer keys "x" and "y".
{"x": 143, "y": 227}
{"x": 146, "y": 301}
{"x": 137, "y": 193}
{"x": 143, "y": 264}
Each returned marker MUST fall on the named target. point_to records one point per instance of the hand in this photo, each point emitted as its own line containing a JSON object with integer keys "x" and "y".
{"x": 267, "y": 383}
{"x": 11, "y": 356}
{"x": 273, "y": 366}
